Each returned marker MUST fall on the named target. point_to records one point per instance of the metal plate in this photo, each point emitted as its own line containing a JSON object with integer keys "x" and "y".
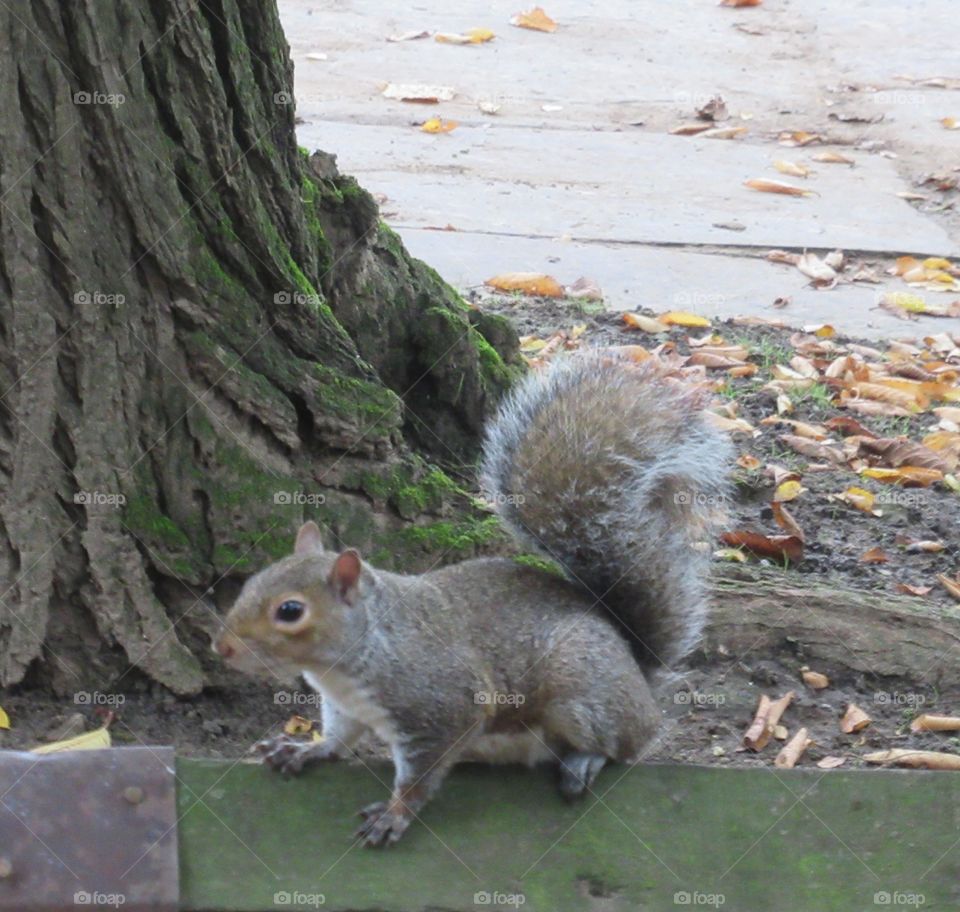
{"x": 89, "y": 828}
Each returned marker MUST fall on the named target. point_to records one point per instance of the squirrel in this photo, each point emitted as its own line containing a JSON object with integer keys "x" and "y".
{"x": 604, "y": 466}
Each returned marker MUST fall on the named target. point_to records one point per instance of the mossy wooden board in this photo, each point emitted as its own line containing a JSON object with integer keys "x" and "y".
{"x": 656, "y": 838}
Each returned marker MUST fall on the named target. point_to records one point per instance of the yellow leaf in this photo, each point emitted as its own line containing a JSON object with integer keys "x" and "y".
{"x": 950, "y": 123}
{"x": 682, "y": 318}
{"x": 4, "y": 719}
{"x": 770, "y": 186}
{"x": 531, "y": 283}
{"x": 859, "y": 498}
{"x": 833, "y": 158}
{"x": 789, "y": 490}
{"x": 480, "y": 35}
{"x": 97, "y": 739}
{"x": 936, "y": 263}
{"x": 645, "y": 324}
{"x": 297, "y": 725}
{"x": 785, "y": 167}
{"x": 535, "y": 19}
{"x": 473, "y": 36}
{"x": 910, "y": 476}
{"x": 439, "y": 125}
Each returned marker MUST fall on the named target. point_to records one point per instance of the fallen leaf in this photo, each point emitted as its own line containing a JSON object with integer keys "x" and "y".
{"x": 829, "y": 763}
{"x": 409, "y": 36}
{"x": 734, "y": 555}
{"x": 529, "y": 283}
{"x": 584, "y": 289}
{"x": 682, "y": 318}
{"x": 645, "y": 324}
{"x": 950, "y": 123}
{"x": 418, "y": 94}
{"x": 785, "y": 167}
{"x": 874, "y": 556}
{"x": 471, "y": 36}
{"x": 438, "y": 125}
{"x": 740, "y": 2}
{"x": 833, "y": 158}
{"x": 690, "y": 129}
{"x": 894, "y": 452}
{"x": 923, "y": 547}
{"x": 854, "y": 719}
{"x": 723, "y": 133}
{"x": 731, "y": 425}
{"x": 715, "y": 109}
{"x": 535, "y": 19}
{"x": 746, "y": 461}
{"x": 860, "y": 498}
{"x": 811, "y": 448}
{"x": 798, "y": 138}
{"x": 786, "y": 521}
{"x": 951, "y": 585}
{"x": 789, "y": 490}
{"x": 908, "y": 476}
{"x": 771, "y": 186}
{"x": 774, "y": 547}
{"x": 906, "y": 589}
{"x": 97, "y": 739}
{"x": 488, "y": 107}
{"x": 792, "y": 750}
{"x": 4, "y": 719}
{"x": 814, "y": 268}
{"x": 929, "y": 722}
{"x": 900, "y": 756}
{"x": 815, "y": 680}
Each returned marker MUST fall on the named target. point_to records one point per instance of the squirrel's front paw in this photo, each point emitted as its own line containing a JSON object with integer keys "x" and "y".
{"x": 381, "y": 826}
{"x": 289, "y": 755}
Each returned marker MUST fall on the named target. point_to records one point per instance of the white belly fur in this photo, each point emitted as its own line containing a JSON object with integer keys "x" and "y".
{"x": 354, "y": 701}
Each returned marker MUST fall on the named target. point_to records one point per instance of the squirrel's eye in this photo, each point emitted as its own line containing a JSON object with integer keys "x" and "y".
{"x": 289, "y": 612}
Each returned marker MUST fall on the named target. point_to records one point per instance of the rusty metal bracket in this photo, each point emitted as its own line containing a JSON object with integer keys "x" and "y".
{"x": 89, "y": 828}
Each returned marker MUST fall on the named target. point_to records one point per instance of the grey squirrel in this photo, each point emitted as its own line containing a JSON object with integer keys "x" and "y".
{"x": 602, "y": 465}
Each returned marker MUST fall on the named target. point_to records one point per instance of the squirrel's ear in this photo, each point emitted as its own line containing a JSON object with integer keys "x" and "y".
{"x": 308, "y": 538}
{"x": 345, "y": 573}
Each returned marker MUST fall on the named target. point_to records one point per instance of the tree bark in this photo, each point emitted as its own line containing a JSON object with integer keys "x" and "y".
{"x": 205, "y": 337}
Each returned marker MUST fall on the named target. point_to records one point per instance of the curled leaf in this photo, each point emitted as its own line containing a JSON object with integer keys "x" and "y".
{"x": 535, "y": 19}
{"x": 529, "y": 283}
{"x": 771, "y": 186}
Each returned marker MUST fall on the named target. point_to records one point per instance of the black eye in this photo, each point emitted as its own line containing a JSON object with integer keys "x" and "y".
{"x": 289, "y": 612}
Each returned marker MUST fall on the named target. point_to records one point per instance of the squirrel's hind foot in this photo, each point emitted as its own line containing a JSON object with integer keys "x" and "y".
{"x": 289, "y": 755}
{"x": 578, "y": 772}
{"x": 382, "y": 826}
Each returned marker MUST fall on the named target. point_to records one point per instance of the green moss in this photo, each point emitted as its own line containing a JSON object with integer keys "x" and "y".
{"x": 350, "y": 398}
{"x": 539, "y": 563}
{"x": 450, "y": 538}
{"x": 143, "y": 516}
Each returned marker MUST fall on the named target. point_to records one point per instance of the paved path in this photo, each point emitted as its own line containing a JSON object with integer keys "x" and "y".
{"x": 595, "y": 185}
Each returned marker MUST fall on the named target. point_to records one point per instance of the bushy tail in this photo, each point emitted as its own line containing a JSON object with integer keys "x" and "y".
{"x": 610, "y": 469}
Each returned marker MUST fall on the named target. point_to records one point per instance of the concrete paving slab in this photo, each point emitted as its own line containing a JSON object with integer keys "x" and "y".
{"x": 624, "y": 187}
{"x": 715, "y": 285}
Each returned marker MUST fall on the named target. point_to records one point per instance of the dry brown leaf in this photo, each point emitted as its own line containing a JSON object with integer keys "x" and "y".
{"x": 798, "y": 138}
{"x": 765, "y": 720}
{"x": 645, "y": 324}
{"x": 812, "y": 449}
{"x": 899, "y": 756}
{"x": 929, "y": 722}
{"x": 922, "y": 547}
{"x": 772, "y": 547}
{"x": 829, "y": 763}
{"x": 746, "y": 461}
{"x": 785, "y": 520}
{"x": 833, "y": 158}
{"x": 874, "y": 556}
{"x": 731, "y": 425}
{"x": 951, "y": 585}
{"x": 893, "y": 452}
{"x": 740, "y": 2}
{"x": 854, "y": 719}
{"x": 793, "y": 750}
{"x": 528, "y": 283}
{"x": 848, "y": 426}
{"x": 690, "y": 129}
{"x": 815, "y": 680}
{"x": 906, "y": 589}
{"x": 723, "y": 133}
{"x": 771, "y": 186}
{"x": 780, "y": 474}
{"x": 535, "y": 19}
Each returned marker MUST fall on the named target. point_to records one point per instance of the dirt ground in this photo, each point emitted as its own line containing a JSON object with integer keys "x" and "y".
{"x": 707, "y": 710}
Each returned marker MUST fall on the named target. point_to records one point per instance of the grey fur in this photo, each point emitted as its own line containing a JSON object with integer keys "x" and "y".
{"x": 611, "y": 470}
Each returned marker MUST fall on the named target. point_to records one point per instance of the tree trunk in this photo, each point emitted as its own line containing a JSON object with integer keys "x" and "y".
{"x": 205, "y": 337}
